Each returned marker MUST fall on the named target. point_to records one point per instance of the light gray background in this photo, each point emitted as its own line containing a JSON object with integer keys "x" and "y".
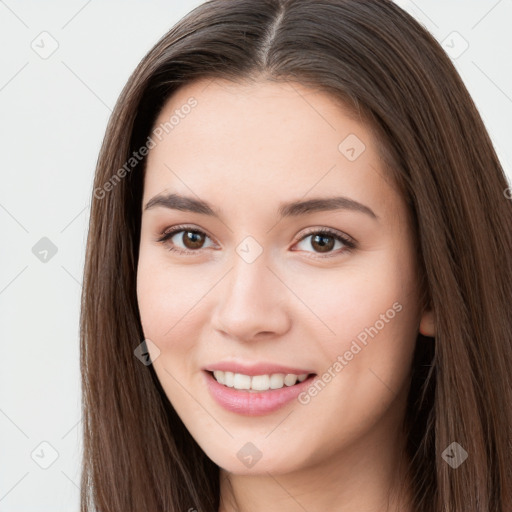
{"x": 53, "y": 114}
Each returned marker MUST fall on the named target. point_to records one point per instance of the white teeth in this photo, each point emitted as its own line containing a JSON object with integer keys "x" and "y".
{"x": 260, "y": 382}
{"x": 276, "y": 381}
{"x": 290, "y": 379}
{"x": 257, "y": 382}
{"x": 242, "y": 381}
{"x": 229, "y": 379}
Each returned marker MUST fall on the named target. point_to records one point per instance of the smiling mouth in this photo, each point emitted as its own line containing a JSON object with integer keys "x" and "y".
{"x": 258, "y": 383}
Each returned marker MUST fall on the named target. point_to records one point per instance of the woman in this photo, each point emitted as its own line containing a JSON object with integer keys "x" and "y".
{"x": 298, "y": 273}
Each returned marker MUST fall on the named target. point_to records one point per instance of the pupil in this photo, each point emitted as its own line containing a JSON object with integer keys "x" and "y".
{"x": 193, "y": 240}
{"x": 321, "y": 239}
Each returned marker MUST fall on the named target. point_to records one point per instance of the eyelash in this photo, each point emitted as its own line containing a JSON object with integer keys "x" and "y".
{"x": 346, "y": 240}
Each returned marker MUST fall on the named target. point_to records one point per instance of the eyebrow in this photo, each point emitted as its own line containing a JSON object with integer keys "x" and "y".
{"x": 290, "y": 209}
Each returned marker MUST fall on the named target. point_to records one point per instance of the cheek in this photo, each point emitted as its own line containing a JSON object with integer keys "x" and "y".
{"x": 366, "y": 363}
{"x": 169, "y": 302}
{"x": 163, "y": 298}
{"x": 352, "y": 297}
{"x": 172, "y": 301}
{"x": 368, "y": 317}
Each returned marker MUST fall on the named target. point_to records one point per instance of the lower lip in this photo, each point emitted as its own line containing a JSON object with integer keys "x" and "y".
{"x": 254, "y": 404}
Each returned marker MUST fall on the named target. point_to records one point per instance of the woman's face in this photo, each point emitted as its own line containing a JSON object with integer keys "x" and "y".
{"x": 260, "y": 282}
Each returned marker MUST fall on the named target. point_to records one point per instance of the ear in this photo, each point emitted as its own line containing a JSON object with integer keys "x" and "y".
{"x": 427, "y": 326}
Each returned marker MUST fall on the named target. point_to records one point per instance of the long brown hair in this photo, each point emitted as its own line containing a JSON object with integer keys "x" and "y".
{"x": 389, "y": 72}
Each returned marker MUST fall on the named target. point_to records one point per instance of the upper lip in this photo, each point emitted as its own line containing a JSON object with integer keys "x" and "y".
{"x": 253, "y": 369}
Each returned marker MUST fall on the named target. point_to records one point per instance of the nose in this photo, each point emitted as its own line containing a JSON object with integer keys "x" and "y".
{"x": 253, "y": 302}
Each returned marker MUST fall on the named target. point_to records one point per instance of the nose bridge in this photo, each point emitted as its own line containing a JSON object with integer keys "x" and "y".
{"x": 252, "y": 299}
{"x": 249, "y": 279}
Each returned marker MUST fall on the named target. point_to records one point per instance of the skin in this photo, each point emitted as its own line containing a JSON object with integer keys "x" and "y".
{"x": 245, "y": 148}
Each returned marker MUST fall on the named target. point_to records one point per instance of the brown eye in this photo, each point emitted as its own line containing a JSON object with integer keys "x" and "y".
{"x": 193, "y": 239}
{"x": 323, "y": 243}
{"x": 190, "y": 241}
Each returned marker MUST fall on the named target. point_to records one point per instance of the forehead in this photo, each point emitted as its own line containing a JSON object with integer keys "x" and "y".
{"x": 263, "y": 140}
